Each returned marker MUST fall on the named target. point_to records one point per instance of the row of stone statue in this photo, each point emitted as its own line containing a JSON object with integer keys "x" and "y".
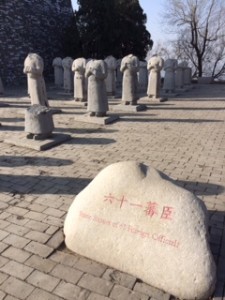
{"x": 147, "y": 75}
{"x": 94, "y": 79}
{"x": 110, "y": 70}
{"x": 95, "y": 71}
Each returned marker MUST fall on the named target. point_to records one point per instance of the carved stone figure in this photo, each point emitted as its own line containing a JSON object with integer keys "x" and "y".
{"x": 96, "y": 72}
{"x": 129, "y": 68}
{"x": 110, "y": 80}
{"x": 187, "y": 74}
{"x": 119, "y": 74}
{"x": 1, "y": 87}
{"x": 78, "y": 67}
{"x": 33, "y": 67}
{"x": 38, "y": 122}
{"x": 155, "y": 65}
{"x": 169, "y": 78}
{"x": 179, "y": 77}
{"x": 143, "y": 76}
{"x": 58, "y": 71}
{"x": 68, "y": 75}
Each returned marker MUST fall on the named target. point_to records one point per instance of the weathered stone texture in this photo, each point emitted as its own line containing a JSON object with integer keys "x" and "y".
{"x": 31, "y": 26}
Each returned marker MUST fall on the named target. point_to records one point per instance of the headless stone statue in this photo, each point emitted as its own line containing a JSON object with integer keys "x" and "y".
{"x": 38, "y": 122}
{"x": 169, "y": 79}
{"x": 78, "y": 67}
{"x": 96, "y": 72}
{"x": 187, "y": 74}
{"x": 58, "y": 71}
{"x": 119, "y": 74}
{"x": 129, "y": 68}
{"x": 110, "y": 79}
{"x": 33, "y": 67}
{"x": 68, "y": 76}
{"x": 155, "y": 65}
{"x": 143, "y": 76}
{"x": 179, "y": 76}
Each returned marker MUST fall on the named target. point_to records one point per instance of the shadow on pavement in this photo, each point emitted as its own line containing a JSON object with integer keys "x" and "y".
{"x": 200, "y": 188}
{"x": 41, "y": 184}
{"x": 85, "y": 130}
{"x": 12, "y": 119}
{"x": 90, "y": 141}
{"x": 195, "y": 99}
{"x": 124, "y": 119}
{"x": 189, "y": 108}
{"x": 18, "y": 161}
{"x": 11, "y": 127}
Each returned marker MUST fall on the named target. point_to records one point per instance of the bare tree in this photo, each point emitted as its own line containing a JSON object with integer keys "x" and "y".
{"x": 199, "y": 25}
{"x": 161, "y": 49}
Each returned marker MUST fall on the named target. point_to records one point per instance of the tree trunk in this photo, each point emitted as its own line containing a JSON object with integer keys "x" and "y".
{"x": 199, "y": 66}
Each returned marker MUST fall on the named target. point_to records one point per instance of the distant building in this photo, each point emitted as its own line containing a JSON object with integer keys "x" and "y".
{"x": 31, "y": 26}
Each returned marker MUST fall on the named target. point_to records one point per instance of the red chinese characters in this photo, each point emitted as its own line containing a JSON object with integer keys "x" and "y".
{"x": 151, "y": 209}
{"x": 112, "y": 199}
{"x": 167, "y": 213}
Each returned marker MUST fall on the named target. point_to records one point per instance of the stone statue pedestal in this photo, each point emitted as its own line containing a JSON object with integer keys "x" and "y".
{"x": 39, "y": 145}
{"x": 38, "y": 130}
{"x": 128, "y": 108}
{"x": 86, "y": 118}
{"x": 38, "y": 122}
{"x": 157, "y": 99}
{"x": 80, "y": 103}
{"x": 164, "y": 94}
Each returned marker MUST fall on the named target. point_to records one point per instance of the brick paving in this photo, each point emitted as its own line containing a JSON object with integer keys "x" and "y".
{"x": 184, "y": 137}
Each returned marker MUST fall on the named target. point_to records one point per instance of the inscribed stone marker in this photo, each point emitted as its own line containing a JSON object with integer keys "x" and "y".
{"x": 133, "y": 218}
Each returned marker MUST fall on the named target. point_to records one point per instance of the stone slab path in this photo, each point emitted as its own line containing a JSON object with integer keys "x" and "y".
{"x": 184, "y": 138}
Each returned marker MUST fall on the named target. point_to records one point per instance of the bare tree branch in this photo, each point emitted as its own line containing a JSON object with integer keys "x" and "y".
{"x": 199, "y": 25}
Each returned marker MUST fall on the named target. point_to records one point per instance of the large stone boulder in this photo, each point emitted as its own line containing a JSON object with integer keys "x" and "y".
{"x": 135, "y": 219}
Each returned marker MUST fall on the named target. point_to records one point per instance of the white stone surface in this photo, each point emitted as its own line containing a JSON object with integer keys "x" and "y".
{"x": 169, "y": 78}
{"x": 155, "y": 65}
{"x": 143, "y": 76}
{"x": 68, "y": 74}
{"x": 33, "y": 67}
{"x": 128, "y": 108}
{"x": 20, "y": 140}
{"x": 119, "y": 74}
{"x": 179, "y": 76}
{"x": 187, "y": 74}
{"x": 134, "y": 219}
{"x": 95, "y": 120}
{"x": 96, "y": 72}
{"x": 110, "y": 80}
{"x": 78, "y": 67}
{"x": 129, "y": 68}
{"x": 38, "y": 120}
{"x": 58, "y": 71}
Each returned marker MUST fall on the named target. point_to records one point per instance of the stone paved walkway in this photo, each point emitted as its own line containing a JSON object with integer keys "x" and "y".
{"x": 184, "y": 137}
